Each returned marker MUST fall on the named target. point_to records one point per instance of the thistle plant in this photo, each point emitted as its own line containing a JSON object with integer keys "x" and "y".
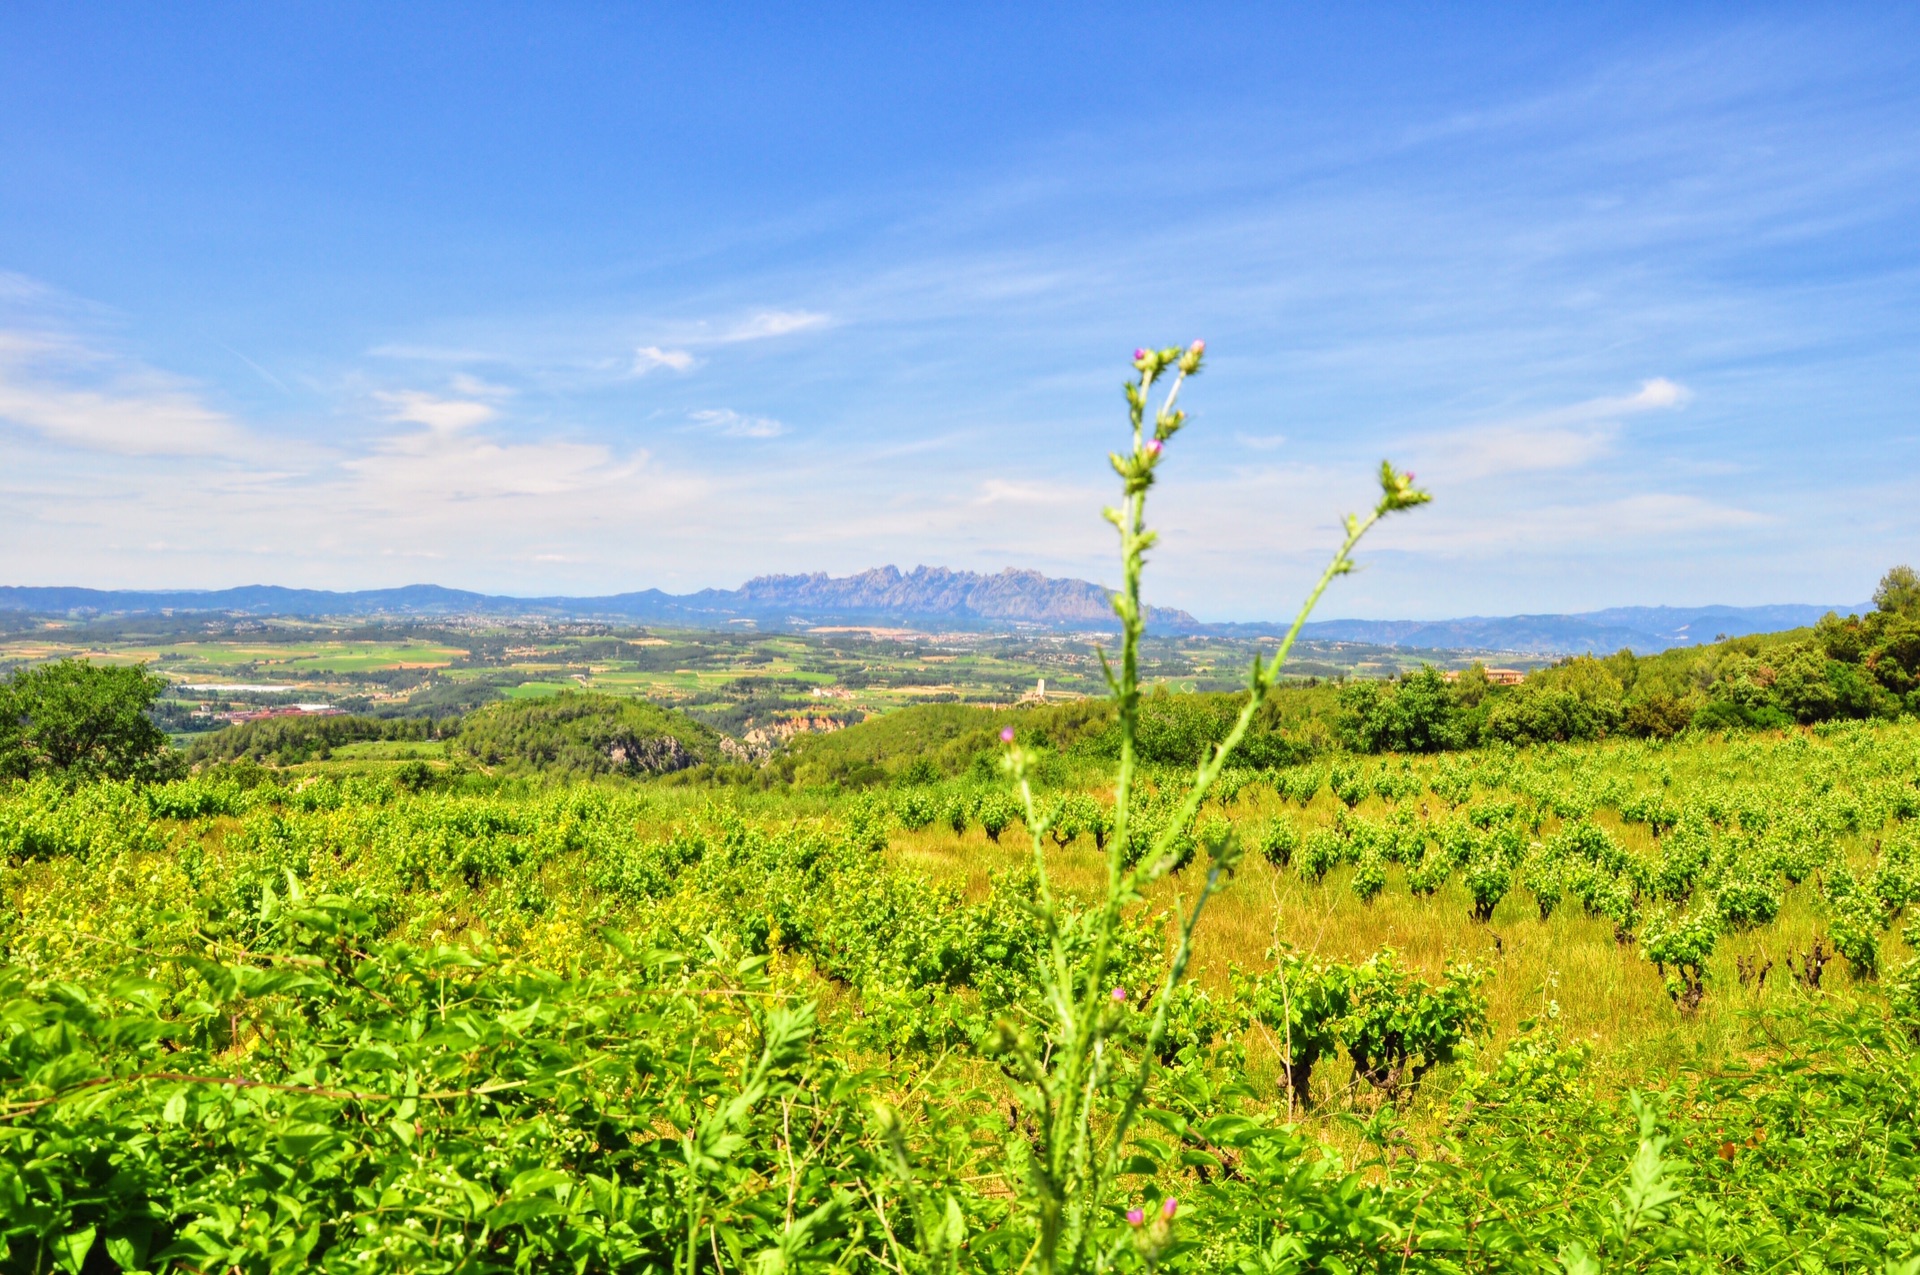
{"x": 1083, "y": 1094}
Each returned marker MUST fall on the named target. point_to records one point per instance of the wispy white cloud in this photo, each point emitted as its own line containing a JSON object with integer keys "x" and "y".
{"x": 1013, "y": 491}
{"x": 1564, "y": 438}
{"x": 772, "y": 323}
{"x": 407, "y": 353}
{"x": 446, "y": 468}
{"x": 728, "y": 423}
{"x": 84, "y": 397}
{"x": 649, "y": 358}
{"x": 440, "y": 414}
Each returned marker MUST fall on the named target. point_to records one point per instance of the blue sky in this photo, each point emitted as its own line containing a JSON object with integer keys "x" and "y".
{"x": 551, "y": 298}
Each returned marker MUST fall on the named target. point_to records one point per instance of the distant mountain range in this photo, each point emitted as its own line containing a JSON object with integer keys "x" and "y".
{"x": 1639, "y": 629}
{"x": 937, "y": 597}
{"x": 885, "y": 595}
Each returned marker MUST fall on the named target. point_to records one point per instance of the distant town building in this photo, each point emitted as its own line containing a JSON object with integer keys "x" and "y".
{"x": 1498, "y": 676}
{"x": 286, "y": 710}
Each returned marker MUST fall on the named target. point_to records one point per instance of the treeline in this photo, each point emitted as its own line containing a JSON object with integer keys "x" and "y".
{"x": 926, "y": 742}
{"x": 288, "y": 741}
{"x": 1851, "y": 668}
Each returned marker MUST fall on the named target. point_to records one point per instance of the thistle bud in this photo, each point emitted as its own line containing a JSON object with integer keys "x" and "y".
{"x": 1006, "y": 734}
{"x": 1119, "y": 993}
{"x": 1136, "y": 1216}
{"x": 1153, "y": 448}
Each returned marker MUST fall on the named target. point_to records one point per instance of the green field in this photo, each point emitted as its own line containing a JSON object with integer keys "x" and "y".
{"x": 735, "y": 681}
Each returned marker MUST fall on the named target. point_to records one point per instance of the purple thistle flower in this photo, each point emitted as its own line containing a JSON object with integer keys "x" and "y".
{"x": 1135, "y": 1217}
{"x": 1166, "y": 1210}
{"x": 1139, "y": 355}
{"x": 1006, "y": 734}
{"x": 1153, "y": 447}
{"x": 1199, "y": 347}
{"x": 1119, "y": 993}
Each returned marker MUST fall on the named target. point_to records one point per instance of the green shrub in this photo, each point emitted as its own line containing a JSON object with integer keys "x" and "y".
{"x": 1397, "y": 1027}
{"x": 1279, "y": 840}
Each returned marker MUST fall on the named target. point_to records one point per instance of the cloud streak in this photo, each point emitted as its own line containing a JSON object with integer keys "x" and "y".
{"x": 731, "y": 424}
{"x": 1567, "y": 438}
{"x": 651, "y": 358}
{"x": 80, "y": 397}
{"x": 769, "y": 324}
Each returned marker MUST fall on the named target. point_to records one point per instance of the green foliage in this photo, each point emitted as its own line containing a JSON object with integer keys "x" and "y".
{"x": 1419, "y": 714}
{"x": 995, "y": 811}
{"x": 1397, "y": 1027}
{"x": 1279, "y": 841}
{"x": 1369, "y": 876}
{"x": 583, "y": 734}
{"x": 1685, "y": 943}
{"x": 1855, "y": 930}
{"x": 1540, "y": 712}
{"x": 77, "y": 720}
{"x": 199, "y": 959}
{"x": 1300, "y": 1003}
{"x": 1898, "y": 593}
{"x": 291, "y": 740}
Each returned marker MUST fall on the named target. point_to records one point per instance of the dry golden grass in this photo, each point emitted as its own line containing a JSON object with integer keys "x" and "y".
{"x": 1600, "y": 991}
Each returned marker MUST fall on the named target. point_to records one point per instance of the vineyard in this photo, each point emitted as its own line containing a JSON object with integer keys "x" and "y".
{"x": 274, "y": 1025}
{"x": 1163, "y": 982}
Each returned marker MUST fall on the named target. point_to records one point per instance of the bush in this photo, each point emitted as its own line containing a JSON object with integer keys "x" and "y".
{"x": 1686, "y": 943}
{"x": 1418, "y": 714}
{"x": 995, "y": 810}
{"x": 1746, "y": 897}
{"x": 1321, "y": 850}
{"x": 1536, "y": 713}
{"x": 1488, "y": 878}
{"x": 1279, "y": 840}
{"x": 915, "y": 808}
{"x": 1855, "y": 932}
{"x": 1301, "y": 1003}
{"x": 1397, "y": 1027}
{"x": 1369, "y": 876}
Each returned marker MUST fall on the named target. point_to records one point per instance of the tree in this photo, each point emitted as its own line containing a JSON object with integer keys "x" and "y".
{"x": 1416, "y": 716}
{"x": 81, "y": 721}
{"x": 1899, "y": 592}
{"x": 1472, "y": 686}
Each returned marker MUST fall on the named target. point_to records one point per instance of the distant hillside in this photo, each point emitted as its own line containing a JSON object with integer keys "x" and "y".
{"x": 884, "y": 595}
{"x": 934, "y": 597}
{"x": 1639, "y": 629}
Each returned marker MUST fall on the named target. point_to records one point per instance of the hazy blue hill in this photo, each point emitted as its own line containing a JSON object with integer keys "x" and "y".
{"x": 1641, "y": 629}
{"x": 882, "y": 595}
{"x": 938, "y": 597}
